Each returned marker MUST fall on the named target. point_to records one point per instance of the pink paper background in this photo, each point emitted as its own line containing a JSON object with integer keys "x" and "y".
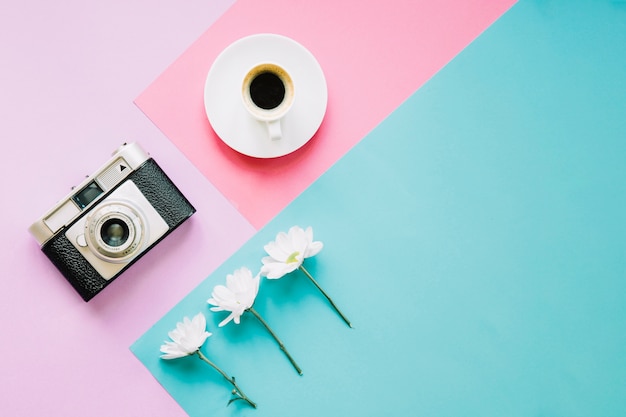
{"x": 70, "y": 73}
{"x": 374, "y": 55}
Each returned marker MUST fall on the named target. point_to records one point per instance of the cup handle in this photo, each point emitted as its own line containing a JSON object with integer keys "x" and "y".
{"x": 274, "y": 129}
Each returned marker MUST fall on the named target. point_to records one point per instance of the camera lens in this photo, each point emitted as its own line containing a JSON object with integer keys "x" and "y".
{"x": 114, "y": 232}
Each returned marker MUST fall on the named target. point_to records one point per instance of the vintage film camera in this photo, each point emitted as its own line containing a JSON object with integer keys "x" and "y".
{"x": 110, "y": 220}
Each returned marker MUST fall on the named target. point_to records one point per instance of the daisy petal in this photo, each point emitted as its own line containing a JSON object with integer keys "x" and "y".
{"x": 284, "y": 243}
{"x": 276, "y": 252}
{"x": 226, "y": 320}
{"x": 313, "y": 249}
{"x": 278, "y": 270}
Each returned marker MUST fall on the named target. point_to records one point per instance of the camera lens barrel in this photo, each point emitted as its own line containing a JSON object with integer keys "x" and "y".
{"x": 115, "y": 231}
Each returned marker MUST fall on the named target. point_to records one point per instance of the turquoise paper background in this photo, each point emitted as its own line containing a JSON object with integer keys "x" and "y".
{"x": 476, "y": 238}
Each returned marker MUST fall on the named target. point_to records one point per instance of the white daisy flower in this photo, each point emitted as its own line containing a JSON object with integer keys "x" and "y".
{"x": 237, "y": 296}
{"x": 187, "y": 339}
{"x": 288, "y": 251}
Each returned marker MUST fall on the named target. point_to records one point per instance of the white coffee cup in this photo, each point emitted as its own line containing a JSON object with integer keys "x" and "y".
{"x": 268, "y": 92}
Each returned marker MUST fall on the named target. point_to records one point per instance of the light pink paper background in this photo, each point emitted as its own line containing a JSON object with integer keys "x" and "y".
{"x": 374, "y": 55}
{"x": 70, "y": 72}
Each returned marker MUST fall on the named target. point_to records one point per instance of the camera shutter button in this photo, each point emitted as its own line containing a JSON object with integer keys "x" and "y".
{"x": 81, "y": 241}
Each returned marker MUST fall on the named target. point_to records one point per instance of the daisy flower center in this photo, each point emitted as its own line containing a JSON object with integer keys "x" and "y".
{"x": 292, "y": 258}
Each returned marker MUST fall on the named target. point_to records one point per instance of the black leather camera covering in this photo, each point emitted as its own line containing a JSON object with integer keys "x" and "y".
{"x": 162, "y": 194}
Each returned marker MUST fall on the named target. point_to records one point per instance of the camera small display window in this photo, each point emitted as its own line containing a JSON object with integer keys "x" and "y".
{"x": 87, "y": 195}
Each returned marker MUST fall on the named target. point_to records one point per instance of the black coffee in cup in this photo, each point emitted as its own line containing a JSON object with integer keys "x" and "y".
{"x": 267, "y": 90}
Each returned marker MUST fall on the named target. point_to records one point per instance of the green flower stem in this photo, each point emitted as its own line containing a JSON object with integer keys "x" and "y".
{"x": 237, "y": 391}
{"x": 330, "y": 300}
{"x": 280, "y": 343}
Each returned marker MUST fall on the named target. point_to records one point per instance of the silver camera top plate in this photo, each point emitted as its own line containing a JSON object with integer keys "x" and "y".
{"x": 123, "y": 161}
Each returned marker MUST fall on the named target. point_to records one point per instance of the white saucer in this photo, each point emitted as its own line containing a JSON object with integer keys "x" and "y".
{"x": 232, "y": 122}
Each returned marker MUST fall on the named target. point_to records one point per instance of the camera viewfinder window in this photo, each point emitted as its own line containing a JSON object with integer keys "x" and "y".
{"x": 87, "y": 195}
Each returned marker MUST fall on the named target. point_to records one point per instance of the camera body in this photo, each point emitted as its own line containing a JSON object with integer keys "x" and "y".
{"x": 115, "y": 216}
